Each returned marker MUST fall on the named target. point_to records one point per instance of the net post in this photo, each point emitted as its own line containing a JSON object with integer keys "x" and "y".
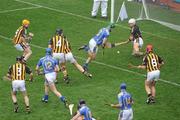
{"x": 112, "y": 10}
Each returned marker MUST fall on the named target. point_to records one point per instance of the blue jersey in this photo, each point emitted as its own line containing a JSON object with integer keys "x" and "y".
{"x": 48, "y": 63}
{"x": 102, "y": 34}
{"x": 85, "y": 111}
{"x": 125, "y": 100}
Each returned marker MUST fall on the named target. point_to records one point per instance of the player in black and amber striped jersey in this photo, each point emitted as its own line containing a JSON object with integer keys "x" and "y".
{"x": 57, "y": 43}
{"x": 17, "y": 73}
{"x": 152, "y": 63}
{"x": 22, "y": 38}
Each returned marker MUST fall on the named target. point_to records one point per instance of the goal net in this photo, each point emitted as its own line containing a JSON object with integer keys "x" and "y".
{"x": 165, "y": 12}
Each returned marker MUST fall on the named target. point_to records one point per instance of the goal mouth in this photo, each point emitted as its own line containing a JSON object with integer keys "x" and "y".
{"x": 152, "y": 10}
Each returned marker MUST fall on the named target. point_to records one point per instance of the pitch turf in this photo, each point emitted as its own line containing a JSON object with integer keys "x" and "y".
{"x": 108, "y": 72}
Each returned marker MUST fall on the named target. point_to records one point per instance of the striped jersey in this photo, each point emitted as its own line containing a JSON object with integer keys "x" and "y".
{"x": 152, "y": 62}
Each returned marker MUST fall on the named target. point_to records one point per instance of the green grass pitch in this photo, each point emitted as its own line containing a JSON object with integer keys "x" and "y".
{"x": 108, "y": 70}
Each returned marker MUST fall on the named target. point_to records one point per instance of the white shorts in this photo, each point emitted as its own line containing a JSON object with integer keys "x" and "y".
{"x": 93, "y": 48}
{"x": 126, "y": 115}
{"x": 70, "y": 58}
{"x": 19, "y": 47}
{"x": 154, "y": 75}
{"x": 60, "y": 57}
{"x": 140, "y": 42}
{"x": 50, "y": 78}
{"x": 18, "y": 85}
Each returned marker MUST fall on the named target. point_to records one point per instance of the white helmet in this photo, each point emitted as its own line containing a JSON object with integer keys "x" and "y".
{"x": 132, "y": 21}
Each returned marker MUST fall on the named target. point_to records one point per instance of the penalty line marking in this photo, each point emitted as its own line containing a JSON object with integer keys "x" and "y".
{"x": 107, "y": 65}
{"x": 84, "y": 17}
{"x": 20, "y": 9}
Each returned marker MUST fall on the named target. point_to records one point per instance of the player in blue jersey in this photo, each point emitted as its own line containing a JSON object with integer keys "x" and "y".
{"x": 100, "y": 39}
{"x": 125, "y": 104}
{"x": 50, "y": 67}
{"x": 83, "y": 112}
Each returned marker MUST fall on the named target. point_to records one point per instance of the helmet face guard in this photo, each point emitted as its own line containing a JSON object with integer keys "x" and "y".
{"x": 48, "y": 51}
{"x": 123, "y": 86}
{"x": 59, "y": 31}
{"x": 18, "y": 58}
{"x": 82, "y": 102}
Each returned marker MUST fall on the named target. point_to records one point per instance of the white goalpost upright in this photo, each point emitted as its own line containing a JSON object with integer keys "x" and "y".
{"x": 112, "y": 11}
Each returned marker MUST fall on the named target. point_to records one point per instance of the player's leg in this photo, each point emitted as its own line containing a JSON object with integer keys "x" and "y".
{"x": 14, "y": 99}
{"x": 65, "y": 73}
{"x": 153, "y": 89}
{"x": 148, "y": 90}
{"x": 26, "y": 101}
{"x": 156, "y": 75}
{"x": 95, "y": 8}
{"x": 91, "y": 56}
{"x": 63, "y": 68}
{"x": 136, "y": 51}
{"x": 57, "y": 93}
{"x": 50, "y": 79}
{"x": 13, "y": 95}
{"x": 27, "y": 53}
{"x": 93, "y": 48}
{"x": 104, "y": 5}
{"x": 46, "y": 92}
{"x": 80, "y": 68}
{"x": 22, "y": 88}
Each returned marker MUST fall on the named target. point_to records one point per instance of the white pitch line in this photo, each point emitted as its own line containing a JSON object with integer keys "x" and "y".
{"x": 107, "y": 65}
{"x": 20, "y": 9}
{"x": 84, "y": 17}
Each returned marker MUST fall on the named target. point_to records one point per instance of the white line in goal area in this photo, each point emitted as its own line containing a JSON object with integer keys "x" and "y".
{"x": 20, "y": 9}
{"x": 107, "y": 65}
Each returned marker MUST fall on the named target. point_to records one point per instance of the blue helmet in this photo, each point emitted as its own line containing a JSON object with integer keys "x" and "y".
{"x": 48, "y": 51}
{"x": 123, "y": 86}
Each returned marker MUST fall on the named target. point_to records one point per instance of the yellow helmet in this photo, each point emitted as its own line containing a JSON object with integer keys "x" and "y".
{"x": 25, "y": 22}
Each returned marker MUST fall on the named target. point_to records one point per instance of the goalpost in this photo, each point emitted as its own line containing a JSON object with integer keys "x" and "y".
{"x": 152, "y": 10}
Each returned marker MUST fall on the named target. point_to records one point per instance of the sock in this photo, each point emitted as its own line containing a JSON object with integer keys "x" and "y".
{"x": 86, "y": 64}
{"x": 86, "y": 48}
{"x": 62, "y": 98}
{"x": 149, "y": 95}
{"x": 15, "y": 103}
{"x": 46, "y": 97}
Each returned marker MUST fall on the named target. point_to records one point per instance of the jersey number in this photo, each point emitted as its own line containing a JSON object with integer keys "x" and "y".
{"x": 48, "y": 65}
{"x": 58, "y": 44}
{"x": 154, "y": 62}
{"x": 18, "y": 71}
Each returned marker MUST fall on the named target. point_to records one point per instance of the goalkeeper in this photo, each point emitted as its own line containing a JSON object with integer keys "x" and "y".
{"x": 135, "y": 37}
{"x": 22, "y": 38}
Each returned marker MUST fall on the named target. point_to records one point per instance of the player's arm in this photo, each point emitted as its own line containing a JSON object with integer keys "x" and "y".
{"x": 143, "y": 65}
{"x": 161, "y": 61}
{"x": 8, "y": 75}
{"x": 76, "y": 116}
{"x": 115, "y": 105}
{"x": 56, "y": 69}
{"x": 38, "y": 72}
{"x": 104, "y": 43}
{"x": 30, "y": 72}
